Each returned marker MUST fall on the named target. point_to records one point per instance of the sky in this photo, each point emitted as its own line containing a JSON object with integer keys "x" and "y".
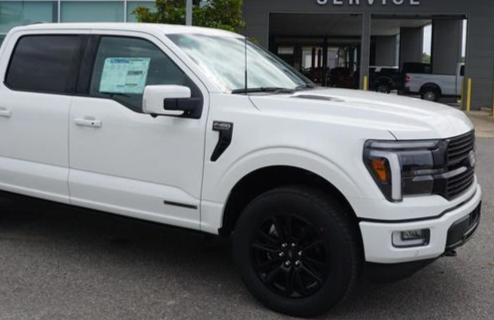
{"x": 428, "y": 38}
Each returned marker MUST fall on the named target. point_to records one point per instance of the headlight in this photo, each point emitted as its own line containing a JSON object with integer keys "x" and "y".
{"x": 405, "y": 168}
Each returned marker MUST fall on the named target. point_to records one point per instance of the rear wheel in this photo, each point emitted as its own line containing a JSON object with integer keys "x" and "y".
{"x": 297, "y": 251}
{"x": 430, "y": 94}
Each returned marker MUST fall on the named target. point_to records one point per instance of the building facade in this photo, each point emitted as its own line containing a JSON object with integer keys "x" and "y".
{"x": 330, "y": 34}
{"x": 15, "y": 12}
{"x": 378, "y": 27}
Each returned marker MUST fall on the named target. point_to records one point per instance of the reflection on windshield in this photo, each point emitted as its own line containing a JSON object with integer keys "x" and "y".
{"x": 222, "y": 59}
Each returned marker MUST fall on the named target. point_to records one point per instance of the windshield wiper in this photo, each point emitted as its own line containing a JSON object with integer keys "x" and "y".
{"x": 263, "y": 89}
{"x": 115, "y": 94}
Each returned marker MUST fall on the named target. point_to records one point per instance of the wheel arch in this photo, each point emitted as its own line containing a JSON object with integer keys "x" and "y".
{"x": 267, "y": 178}
{"x": 384, "y": 79}
{"x": 431, "y": 85}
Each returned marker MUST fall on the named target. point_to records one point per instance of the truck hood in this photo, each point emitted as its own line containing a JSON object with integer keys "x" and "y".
{"x": 406, "y": 118}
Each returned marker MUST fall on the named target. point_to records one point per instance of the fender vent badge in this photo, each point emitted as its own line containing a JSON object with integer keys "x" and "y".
{"x": 226, "y": 134}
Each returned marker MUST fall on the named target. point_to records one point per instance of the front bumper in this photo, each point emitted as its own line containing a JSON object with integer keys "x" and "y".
{"x": 451, "y": 230}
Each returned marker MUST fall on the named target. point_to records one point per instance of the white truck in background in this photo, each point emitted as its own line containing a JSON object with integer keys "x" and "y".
{"x": 432, "y": 87}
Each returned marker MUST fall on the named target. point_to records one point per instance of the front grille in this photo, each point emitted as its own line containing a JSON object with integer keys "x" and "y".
{"x": 460, "y": 183}
{"x": 459, "y": 148}
{"x": 459, "y": 160}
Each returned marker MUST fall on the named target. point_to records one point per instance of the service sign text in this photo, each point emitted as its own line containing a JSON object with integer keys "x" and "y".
{"x": 369, "y": 2}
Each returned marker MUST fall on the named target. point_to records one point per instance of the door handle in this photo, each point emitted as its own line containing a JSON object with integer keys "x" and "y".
{"x": 88, "y": 122}
{"x": 6, "y": 113}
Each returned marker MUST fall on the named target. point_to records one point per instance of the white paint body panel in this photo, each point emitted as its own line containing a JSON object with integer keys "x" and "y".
{"x": 377, "y": 236}
{"x": 34, "y": 179}
{"x": 131, "y": 163}
{"x": 136, "y": 162}
{"x": 34, "y": 144}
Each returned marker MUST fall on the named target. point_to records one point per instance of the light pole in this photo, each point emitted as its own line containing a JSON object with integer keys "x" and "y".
{"x": 188, "y": 13}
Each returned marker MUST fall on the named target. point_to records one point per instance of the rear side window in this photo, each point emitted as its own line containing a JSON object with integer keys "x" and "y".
{"x": 46, "y": 64}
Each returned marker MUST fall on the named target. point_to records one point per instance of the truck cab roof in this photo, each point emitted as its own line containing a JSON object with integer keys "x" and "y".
{"x": 143, "y": 27}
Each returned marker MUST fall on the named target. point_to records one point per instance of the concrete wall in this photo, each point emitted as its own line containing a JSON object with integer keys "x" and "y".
{"x": 386, "y": 51}
{"x": 480, "y": 60}
{"x": 447, "y": 40}
{"x": 411, "y": 45}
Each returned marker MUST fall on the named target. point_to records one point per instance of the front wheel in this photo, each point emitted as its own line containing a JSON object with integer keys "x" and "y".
{"x": 297, "y": 251}
{"x": 383, "y": 88}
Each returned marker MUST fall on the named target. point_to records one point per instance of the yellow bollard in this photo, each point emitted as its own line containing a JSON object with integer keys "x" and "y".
{"x": 366, "y": 83}
{"x": 469, "y": 94}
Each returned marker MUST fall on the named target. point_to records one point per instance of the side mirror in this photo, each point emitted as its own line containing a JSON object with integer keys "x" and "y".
{"x": 168, "y": 100}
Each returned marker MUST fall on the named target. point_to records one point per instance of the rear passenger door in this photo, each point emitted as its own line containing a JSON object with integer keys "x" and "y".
{"x": 37, "y": 87}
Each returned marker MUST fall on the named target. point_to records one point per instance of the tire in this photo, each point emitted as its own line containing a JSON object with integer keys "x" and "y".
{"x": 383, "y": 88}
{"x": 430, "y": 94}
{"x": 325, "y": 258}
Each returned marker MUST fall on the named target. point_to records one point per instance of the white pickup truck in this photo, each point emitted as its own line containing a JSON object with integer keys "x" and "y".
{"x": 314, "y": 186}
{"x": 432, "y": 87}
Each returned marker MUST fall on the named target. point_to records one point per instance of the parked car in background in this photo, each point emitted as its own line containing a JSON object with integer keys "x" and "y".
{"x": 386, "y": 79}
{"x": 432, "y": 87}
{"x": 342, "y": 77}
{"x": 316, "y": 75}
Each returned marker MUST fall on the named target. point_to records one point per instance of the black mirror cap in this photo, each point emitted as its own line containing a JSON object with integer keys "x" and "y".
{"x": 192, "y": 107}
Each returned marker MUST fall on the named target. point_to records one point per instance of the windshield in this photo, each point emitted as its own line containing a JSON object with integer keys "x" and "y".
{"x": 222, "y": 59}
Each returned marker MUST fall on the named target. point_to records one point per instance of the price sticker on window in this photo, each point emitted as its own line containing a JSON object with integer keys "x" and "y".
{"x": 124, "y": 75}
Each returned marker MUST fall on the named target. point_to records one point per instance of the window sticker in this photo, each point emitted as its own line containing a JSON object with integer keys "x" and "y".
{"x": 124, "y": 75}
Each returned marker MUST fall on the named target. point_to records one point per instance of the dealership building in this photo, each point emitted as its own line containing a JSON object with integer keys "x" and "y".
{"x": 354, "y": 34}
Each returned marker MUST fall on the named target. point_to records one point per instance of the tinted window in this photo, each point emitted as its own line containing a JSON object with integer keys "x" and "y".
{"x": 462, "y": 71}
{"x": 413, "y": 67}
{"x": 124, "y": 66}
{"x": 46, "y": 64}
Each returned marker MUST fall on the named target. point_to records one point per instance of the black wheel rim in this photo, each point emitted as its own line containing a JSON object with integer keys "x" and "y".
{"x": 290, "y": 256}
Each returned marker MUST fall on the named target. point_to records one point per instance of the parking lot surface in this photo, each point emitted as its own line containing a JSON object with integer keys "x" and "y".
{"x": 59, "y": 263}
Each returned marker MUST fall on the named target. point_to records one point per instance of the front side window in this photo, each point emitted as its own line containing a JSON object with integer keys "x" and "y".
{"x": 45, "y": 63}
{"x": 223, "y": 60}
{"x": 125, "y": 66}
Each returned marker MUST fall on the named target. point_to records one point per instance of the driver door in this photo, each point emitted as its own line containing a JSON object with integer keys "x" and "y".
{"x": 125, "y": 161}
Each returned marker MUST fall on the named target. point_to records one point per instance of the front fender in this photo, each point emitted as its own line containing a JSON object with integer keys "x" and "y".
{"x": 217, "y": 187}
{"x": 220, "y": 178}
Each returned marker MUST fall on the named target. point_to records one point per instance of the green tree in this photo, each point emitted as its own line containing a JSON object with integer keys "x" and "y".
{"x": 220, "y": 14}
{"x": 426, "y": 58}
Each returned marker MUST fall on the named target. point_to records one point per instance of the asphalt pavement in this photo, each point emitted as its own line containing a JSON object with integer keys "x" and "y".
{"x": 59, "y": 263}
